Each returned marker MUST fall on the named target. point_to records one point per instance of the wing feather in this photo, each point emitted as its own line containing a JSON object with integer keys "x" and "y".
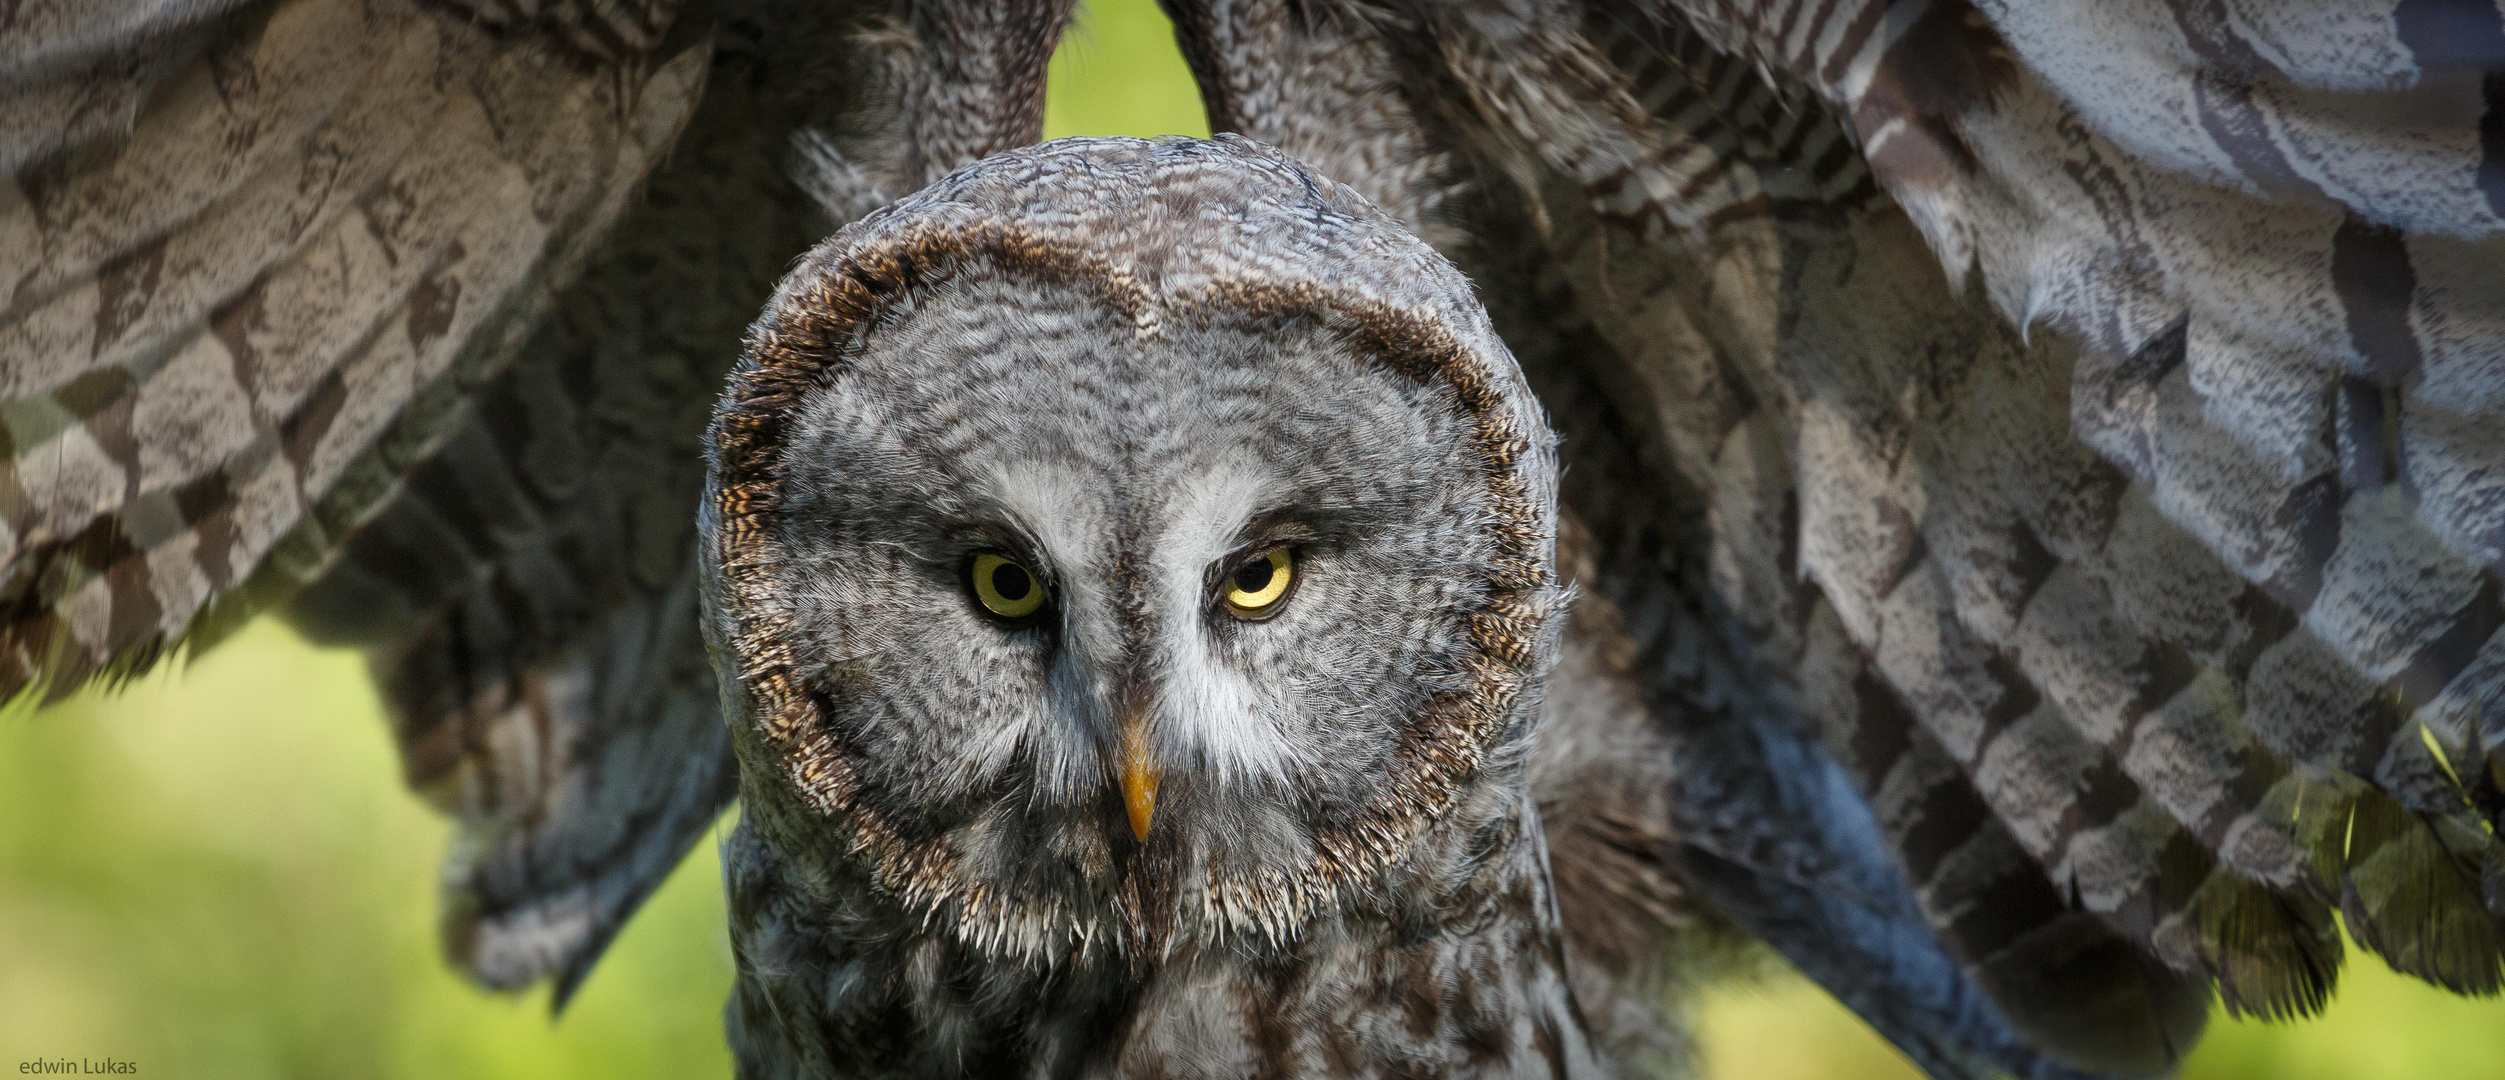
{"x": 293, "y": 316}
{"x": 526, "y": 596}
{"x": 245, "y": 317}
{"x": 329, "y": 209}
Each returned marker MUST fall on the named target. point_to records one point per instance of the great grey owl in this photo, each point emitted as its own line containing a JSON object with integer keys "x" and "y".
{"x": 2023, "y": 536}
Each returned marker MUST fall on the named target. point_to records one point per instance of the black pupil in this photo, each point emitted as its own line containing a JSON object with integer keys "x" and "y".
{"x": 1254, "y": 578}
{"x": 1011, "y": 582}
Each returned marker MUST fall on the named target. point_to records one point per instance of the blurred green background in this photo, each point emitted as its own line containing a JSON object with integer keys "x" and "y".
{"x": 215, "y": 873}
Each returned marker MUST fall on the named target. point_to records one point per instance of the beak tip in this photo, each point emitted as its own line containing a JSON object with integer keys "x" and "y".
{"x": 1139, "y": 778}
{"x": 1139, "y": 797}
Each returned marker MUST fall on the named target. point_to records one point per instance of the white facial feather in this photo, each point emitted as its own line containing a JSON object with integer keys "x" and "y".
{"x": 1068, "y": 518}
{"x": 1212, "y": 714}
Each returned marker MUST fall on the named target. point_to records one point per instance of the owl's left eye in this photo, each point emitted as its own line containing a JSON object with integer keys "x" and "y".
{"x": 1003, "y": 587}
{"x": 1255, "y": 589}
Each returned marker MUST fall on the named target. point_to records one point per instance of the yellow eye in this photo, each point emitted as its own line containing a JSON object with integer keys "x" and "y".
{"x": 1255, "y": 590}
{"x": 1005, "y": 588}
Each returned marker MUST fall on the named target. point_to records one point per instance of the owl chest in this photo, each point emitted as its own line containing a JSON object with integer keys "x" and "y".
{"x": 1460, "y": 1006}
{"x": 866, "y": 1000}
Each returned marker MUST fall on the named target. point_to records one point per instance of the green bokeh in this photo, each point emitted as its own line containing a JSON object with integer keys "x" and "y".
{"x": 1119, "y": 73}
{"x": 216, "y": 873}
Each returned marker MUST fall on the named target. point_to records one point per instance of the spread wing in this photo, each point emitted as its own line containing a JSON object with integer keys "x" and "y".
{"x": 269, "y": 261}
{"x": 407, "y": 317}
{"x": 528, "y": 599}
{"x": 2080, "y": 419}
{"x": 257, "y": 253}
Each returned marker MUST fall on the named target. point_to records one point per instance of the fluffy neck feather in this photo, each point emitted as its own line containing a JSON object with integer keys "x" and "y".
{"x": 1450, "y": 965}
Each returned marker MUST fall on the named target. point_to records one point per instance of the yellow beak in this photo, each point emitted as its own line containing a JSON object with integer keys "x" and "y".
{"x": 1139, "y": 775}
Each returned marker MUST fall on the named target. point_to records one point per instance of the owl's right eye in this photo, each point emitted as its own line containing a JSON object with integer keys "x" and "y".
{"x": 1003, "y": 587}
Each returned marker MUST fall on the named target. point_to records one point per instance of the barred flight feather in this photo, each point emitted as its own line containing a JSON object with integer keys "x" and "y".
{"x": 295, "y": 316}
{"x": 231, "y": 299}
{"x": 527, "y": 597}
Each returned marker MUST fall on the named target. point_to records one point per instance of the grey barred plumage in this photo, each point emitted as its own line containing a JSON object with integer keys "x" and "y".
{"x": 2029, "y": 497}
{"x": 506, "y": 523}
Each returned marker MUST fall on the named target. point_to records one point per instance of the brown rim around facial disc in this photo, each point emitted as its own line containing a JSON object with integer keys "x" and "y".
{"x": 816, "y": 329}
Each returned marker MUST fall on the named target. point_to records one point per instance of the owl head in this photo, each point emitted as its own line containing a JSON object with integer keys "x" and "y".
{"x": 1120, "y": 542}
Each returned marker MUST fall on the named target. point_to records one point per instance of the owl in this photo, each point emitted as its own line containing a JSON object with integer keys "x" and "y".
{"x": 1142, "y": 556}
{"x": 1997, "y": 503}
